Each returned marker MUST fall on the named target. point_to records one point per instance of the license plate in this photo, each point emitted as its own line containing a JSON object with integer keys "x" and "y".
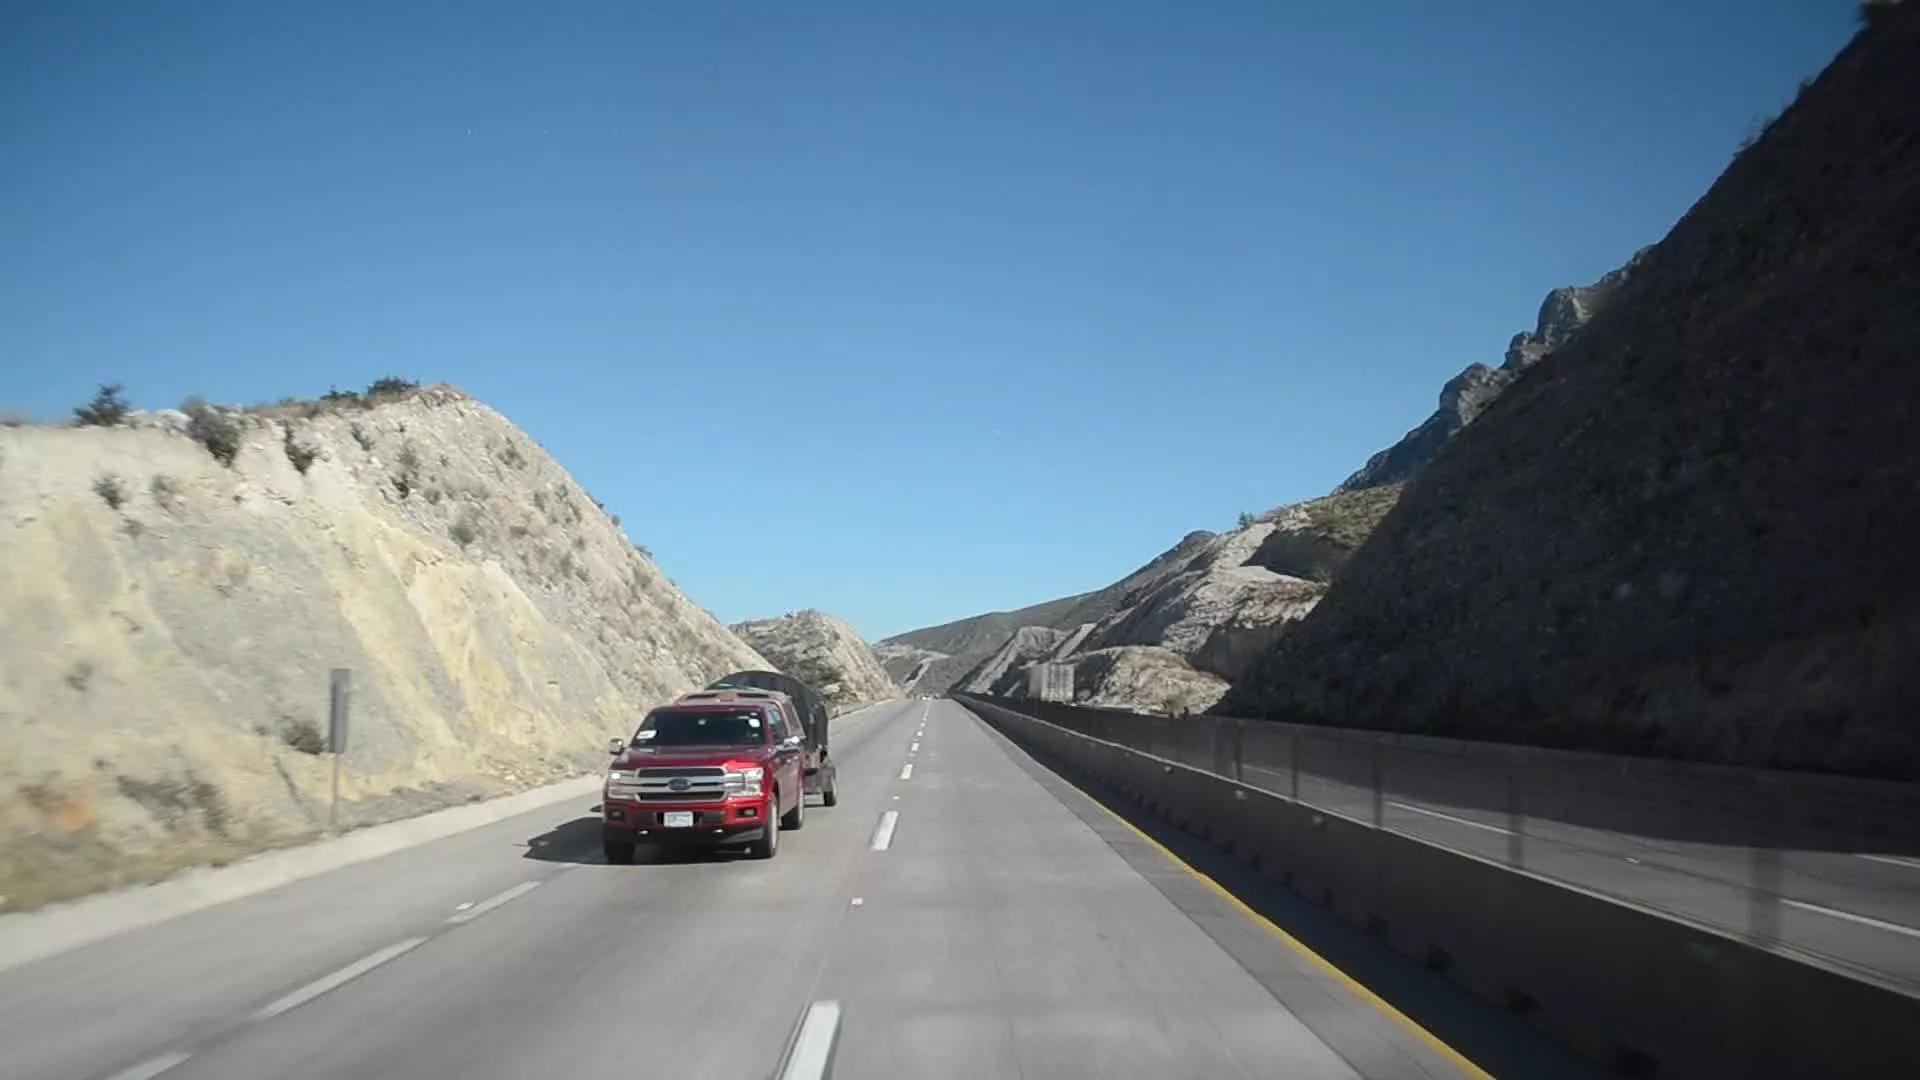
{"x": 677, "y": 819}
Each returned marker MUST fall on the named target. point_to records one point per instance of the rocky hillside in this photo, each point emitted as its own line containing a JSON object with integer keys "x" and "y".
{"x": 824, "y": 653}
{"x": 176, "y": 589}
{"x": 1467, "y": 394}
{"x": 1691, "y": 529}
{"x": 907, "y": 665}
{"x": 961, "y": 645}
{"x": 1185, "y": 628}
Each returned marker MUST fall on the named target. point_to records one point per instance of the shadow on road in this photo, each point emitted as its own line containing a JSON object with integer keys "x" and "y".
{"x": 578, "y": 841}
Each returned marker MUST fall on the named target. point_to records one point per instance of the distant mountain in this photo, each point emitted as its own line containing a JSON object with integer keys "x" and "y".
{"x": 964, "y": 643}
{"x": 823, "y": 652}
{"x": 1690, "y": 530}
{"x": 1467, "y": 394}
{"x": 1183, "y": 628}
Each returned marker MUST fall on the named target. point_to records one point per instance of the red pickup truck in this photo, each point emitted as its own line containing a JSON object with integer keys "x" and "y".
{"x": 716, "y": 767}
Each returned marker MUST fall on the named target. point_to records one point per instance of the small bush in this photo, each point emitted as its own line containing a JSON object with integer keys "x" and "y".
{"x": 645, "y": 552}
{"x": 213, "y": 429}
{"x": 305, "y": 736}
{"x": 408, "y": 477}
{"x": 340, "y": 397}
{"x": 390, "y": 386}
{"x": 14, "y": 418}
{"x": 133, "y": 527}
{"x": 465, "y": 529}
{"x": 111, "y": 490}
{"x": 107, "y": 409}
{"x": 165, "y": 490}
{"x": 434, "y": 495}
{"x": 80, "y": 675}
{"x": 300, "y": 454}
{"x": 360, "y": 436}
{"x": 510, "y": 455}
{"x": 1245, "y": 519}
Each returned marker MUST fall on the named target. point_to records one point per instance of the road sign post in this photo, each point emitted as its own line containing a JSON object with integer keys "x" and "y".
{"x": 339, "y": 694}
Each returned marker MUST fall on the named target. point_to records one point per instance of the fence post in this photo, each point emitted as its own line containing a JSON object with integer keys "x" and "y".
{"x": 1379, "y": 783}
{"x": 1763, "y": 888}
{"x": 1516, "y": 815}
{"x": 1293, "y": 761}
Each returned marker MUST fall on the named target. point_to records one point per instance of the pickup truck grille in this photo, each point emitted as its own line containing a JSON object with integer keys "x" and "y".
{"x": 685, "y": 784}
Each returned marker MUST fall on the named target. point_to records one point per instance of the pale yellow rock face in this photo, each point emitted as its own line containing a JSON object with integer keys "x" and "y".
{"x": 164, "y": 664}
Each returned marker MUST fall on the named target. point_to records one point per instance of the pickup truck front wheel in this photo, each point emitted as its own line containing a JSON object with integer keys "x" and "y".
{"x": 768, "y": 845}
{"x": 797, "y": 816}
{"x": 619, "y": 852}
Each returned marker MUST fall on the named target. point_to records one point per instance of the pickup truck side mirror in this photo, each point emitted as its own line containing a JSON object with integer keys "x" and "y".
{"x": 791, "y": 742}
{"x": 616, "y": 745}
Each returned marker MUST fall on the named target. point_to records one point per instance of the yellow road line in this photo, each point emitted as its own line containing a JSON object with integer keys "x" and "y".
{"x": 1433, "y": 1041}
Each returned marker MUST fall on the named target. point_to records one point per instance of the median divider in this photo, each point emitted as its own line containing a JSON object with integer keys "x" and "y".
{"x": 1634, "y": 989}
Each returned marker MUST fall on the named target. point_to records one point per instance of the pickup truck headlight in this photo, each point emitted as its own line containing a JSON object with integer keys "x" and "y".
{"x": 745, "y": 781}
{"x": 615, "y": 776}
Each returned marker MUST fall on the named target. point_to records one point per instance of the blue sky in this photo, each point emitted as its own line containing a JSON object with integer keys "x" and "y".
{"x": 989, "y": 303}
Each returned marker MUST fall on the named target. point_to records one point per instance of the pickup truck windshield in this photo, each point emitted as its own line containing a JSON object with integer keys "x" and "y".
{"x": 702, "y": 729}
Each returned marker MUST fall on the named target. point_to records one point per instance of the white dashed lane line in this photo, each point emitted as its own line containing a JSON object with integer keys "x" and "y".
{"x": 883, "y": 832}
{"x": 811, "y": 1055}
{"x": 150, "y": 1068}
{"x": 906, "y": 771}
{"x": 338, "y": 979}
{"x": 1448, "y": 817}
{"x": 470, "y": 912}
{"x": 914, "y": 749}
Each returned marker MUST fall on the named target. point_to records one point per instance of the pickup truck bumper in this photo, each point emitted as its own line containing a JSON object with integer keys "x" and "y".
{"x": 738, "y": 818}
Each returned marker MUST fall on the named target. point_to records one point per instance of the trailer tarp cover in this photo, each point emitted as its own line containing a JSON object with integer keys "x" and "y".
{"x": 813, "y": 718}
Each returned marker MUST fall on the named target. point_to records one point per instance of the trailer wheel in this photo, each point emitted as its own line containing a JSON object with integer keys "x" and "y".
{"x": 830, "y": 791}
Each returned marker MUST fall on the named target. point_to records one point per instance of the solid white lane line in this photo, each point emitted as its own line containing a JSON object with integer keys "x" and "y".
{"x": 883, "y": 832}
{"x": 812, "y": 1054}
{"x": 339, "y": 978}
{"x": 1449, "y": 817}
{"x": 1893, "y": 860}
{"x": 151, "y": 1067}
{"x": 1863, "y": 920}
{"x": 494, "y": 901}
{"x": 906, "y": 771}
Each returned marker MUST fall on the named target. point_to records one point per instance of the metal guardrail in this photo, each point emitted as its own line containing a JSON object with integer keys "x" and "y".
{"x": 1821, "y": 865}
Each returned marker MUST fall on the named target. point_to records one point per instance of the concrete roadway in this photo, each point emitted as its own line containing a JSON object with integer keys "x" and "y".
{"x": 1856, "y": 912}
{"x": 996, "y": 925}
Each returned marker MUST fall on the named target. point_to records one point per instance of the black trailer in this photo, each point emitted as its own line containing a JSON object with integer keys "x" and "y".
{"x": 821, "y": 776}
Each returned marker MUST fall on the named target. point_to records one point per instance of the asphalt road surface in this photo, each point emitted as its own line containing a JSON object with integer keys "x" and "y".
{"x": 969, "y": 916}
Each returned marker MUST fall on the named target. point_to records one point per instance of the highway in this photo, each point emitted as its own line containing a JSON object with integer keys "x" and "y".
{"x": 967, "y": 915}
{"x": 1857, "y": 911}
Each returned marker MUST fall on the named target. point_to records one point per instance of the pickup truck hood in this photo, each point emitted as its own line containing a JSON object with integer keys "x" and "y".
{"x": 636, "y": 757}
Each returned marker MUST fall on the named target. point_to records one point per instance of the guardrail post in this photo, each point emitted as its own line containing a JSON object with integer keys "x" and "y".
{"x": 1239, "y": 749}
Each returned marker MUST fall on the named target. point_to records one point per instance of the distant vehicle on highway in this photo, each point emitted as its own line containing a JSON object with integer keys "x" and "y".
{"x": 717, "y": 767}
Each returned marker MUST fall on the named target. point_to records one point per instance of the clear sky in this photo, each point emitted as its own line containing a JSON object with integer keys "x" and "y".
{"x": 988, "y": 303}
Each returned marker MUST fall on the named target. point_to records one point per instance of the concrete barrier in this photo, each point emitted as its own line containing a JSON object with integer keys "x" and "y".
{"x": 1631, "y": 988}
